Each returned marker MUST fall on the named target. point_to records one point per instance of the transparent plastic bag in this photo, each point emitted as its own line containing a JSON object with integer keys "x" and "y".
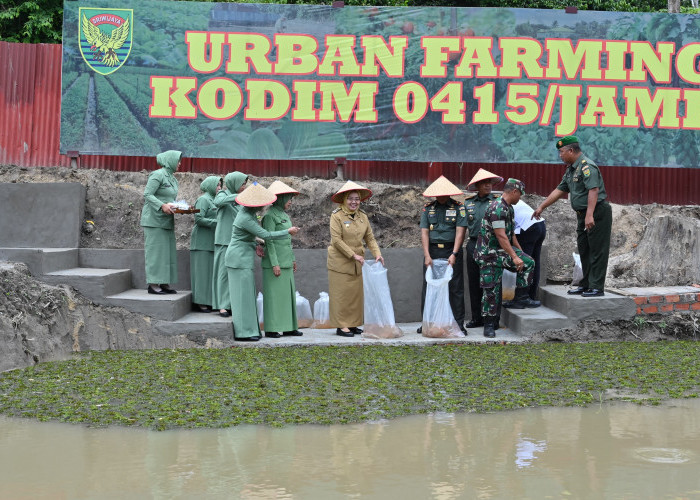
{"x": 322, "y": 317}
{"x": 259, "y": 303}
{"x": 508, "y": 284}
{"x": 578, "y": 270}
{"x": 304, "y": 316}
{"x": 379, "y": 310}
{"x": 438, "y": 320}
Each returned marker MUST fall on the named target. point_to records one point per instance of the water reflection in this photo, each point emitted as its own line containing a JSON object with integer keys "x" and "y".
{"x": 613, "y": 451}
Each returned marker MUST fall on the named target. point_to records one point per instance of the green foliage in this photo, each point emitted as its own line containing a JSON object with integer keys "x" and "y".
{"x": 326, "y": 385}
{"x": 37, "y": 21}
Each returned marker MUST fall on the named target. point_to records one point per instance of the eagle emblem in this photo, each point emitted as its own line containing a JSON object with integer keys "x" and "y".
{"x": 105, "y": 38}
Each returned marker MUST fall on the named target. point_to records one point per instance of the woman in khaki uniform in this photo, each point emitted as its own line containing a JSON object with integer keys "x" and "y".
{"x": 349, "y": 229}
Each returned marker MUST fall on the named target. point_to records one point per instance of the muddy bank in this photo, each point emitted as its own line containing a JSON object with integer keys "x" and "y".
{"x": 652, "y": 245}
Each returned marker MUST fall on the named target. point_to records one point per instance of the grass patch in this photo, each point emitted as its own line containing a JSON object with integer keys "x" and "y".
{"x": 166, "y": 389}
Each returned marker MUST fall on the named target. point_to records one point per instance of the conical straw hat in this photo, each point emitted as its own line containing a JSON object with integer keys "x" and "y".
{"x": 442, "y": 187}
{"x": 483, "y": 175}
{"x": 279, "y": 187}
{"x": 351, "y": 186}
{"x": 255, "y": 195}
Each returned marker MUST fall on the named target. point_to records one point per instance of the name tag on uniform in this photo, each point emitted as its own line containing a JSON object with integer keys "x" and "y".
{"x": 450, "y": 213}
{"x": 347, "y": 223}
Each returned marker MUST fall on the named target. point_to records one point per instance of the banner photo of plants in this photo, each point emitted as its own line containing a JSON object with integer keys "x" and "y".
{"x": 263, "y": 81}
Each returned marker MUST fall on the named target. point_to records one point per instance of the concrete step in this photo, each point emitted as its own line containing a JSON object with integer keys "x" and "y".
{"x": 611, "y": 306}
{"x": 42, "y": 260}
{"x": 57, "y": 259}
{"x": 167, "y": 307}
{"x": 93, "y": 283}
{"x": 538, "y": 319}
{"x": 194, "y": 323}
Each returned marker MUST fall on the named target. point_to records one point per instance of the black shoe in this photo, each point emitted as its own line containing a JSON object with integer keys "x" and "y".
{"x": 340, "y": 332}
{"x": 156, "y": 292}
{"x": 419, "y": 329}
{"x": 293, "y": 333}
{"x": 247, "y": 339}
{"x": 225, "y": 314}
{"x": 273, "y": 335}
{"x": 200, "y": 308}
{"x": 522, "y": 300}
{"x": 356, "y": 330}
{"x": 593, "y": 292}
{"x": 464, "y": 329}
{"x": 167, "y": 289}
{"x": 577, "y": 291}
{"x": 475, "y": 323}
{"x": 489, "y": 330}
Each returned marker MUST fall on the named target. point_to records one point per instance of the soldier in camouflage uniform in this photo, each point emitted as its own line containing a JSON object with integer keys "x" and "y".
{"x": 443, "y": 224}
{"x": 584, "y": 183}
{"x": 497, "y": 248}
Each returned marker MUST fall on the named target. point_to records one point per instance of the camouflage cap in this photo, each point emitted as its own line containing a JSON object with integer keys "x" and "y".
{"x": 515, "y": 184}
{"x": 565, "y": 141}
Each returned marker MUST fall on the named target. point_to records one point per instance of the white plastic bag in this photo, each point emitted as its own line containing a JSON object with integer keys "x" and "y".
{"x": 578, "y": 270}
{"x": 259, "y": 303}
{"x": 304, "y": 317}
{"x": 322, "y": 317}
{"x": 438, "y": 320}
{"x": 379, "y": 309}
{"x": 508, "y": 285}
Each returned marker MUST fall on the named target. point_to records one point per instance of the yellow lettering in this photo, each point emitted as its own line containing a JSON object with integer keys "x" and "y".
{"x": 476, "y": 52}
{"x": 640, "y": 102}
{"x": 691, "y": 120}
{"x": 562, "y": 54}
{"x": 219, "y": 98}
{"x": 377, "y": 51}
{"x": 304, "y": 92}
{"x": 656, "y": 62}
{"x": 296, "y": 54}
{"x": 616, "y": 52}
{"x": 267, "y": 100}
{"x": 340, "y": 51}
{"x": 601, "y": 103}
{"x": 410, "y": 102}
{"x": 205, "y": 50}
{"x": 359, "y": 100}
{"x": 170, "y": 99}
{"x": 437, "y": 51}
{"x": 520, "y": 54}
{"x": 687, "y": 63}
{"x": 246, "y": 49}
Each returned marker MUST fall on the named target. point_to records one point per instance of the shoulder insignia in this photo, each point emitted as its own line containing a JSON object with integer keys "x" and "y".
{"x": 361, "y": 211}
{"x": 336, "y": 210}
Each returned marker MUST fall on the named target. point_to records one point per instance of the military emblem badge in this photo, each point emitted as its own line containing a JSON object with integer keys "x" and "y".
{"x": 105, "y": 37}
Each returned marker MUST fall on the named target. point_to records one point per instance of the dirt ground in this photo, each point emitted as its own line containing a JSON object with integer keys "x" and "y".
{"x": 652, "y": 245}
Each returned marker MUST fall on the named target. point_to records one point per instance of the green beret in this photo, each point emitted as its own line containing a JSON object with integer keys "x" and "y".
{"x": 515, "y": 184}
{"x": 565, "y": 141}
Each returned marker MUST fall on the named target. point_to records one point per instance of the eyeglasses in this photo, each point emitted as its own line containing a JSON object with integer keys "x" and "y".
{"x": 353, "y": 199}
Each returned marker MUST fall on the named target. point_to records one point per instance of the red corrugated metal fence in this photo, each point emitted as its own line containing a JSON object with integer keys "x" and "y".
{"x": 30, "y": 107}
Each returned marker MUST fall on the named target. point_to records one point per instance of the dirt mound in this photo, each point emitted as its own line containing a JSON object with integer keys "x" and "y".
{"x": 651, "y": 244}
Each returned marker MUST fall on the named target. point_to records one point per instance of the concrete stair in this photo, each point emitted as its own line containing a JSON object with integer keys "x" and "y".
{"x": 93, "y": 283}
{"x": 165, "y": 307}
{"x": 207, "y": 325}
{"x": 528, "y": 321}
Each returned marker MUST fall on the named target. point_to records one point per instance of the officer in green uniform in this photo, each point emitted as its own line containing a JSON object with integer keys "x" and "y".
{"x": 482, "y": 182}
{"x": 497, "y": 248}
{"x": 584, "y": 183}
{"x": 202, "y": 245}
{"x": 443, "y": 224}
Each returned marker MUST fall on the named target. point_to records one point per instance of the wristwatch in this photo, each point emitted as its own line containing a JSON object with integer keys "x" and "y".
{"x": 455, "y": 253}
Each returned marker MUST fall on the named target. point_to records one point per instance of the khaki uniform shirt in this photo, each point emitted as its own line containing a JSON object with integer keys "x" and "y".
{"x": 348, "y": 236}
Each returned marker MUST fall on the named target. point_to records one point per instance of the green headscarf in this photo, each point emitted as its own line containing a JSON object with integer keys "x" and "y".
{"x": 282, "y": 200}
{"x": 209, "y": 184}
{"x": 169, "y": 160}
{"x": 234, "y": 181}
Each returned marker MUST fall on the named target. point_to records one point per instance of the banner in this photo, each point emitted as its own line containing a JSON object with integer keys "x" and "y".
{"x": 265, "y": 81}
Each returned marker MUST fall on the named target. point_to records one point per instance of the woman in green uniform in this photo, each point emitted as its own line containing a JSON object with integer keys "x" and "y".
{"x": 226, "y": 211}
{"x": 279, "y": 266}
{"x": 202, "y": 245}
{"x": 158, "y": 224}
{"x": 346, "y": 255}
{"x": 240, "y": 259}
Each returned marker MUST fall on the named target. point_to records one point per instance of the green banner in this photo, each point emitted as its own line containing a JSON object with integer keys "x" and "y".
{"x": 265, "y": 81}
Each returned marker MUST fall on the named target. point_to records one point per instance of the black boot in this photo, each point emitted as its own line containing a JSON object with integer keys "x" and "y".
{"x": 489, "y": 330}
{"x": 522, "y": 300}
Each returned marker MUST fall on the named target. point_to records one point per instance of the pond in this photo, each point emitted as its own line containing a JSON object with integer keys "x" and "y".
{"x": 614, "y": 450}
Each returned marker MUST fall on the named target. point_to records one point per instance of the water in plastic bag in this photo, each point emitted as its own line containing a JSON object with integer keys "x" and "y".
{"x": 259, "y": 303}
{"x": 322, "y": 316}
{"x": 578, "y": 270}
{"x": 508, "y": 284}
{"x": 304, "y": 316}
{"x": 379, "y": 309}
{"x": 438, "y": 320}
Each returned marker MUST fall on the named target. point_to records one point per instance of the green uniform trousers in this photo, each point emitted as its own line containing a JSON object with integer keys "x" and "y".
{"x": 220, "y": 296}
{"x": 490, "y": 279}
{"x": 244, "y": 309}
{"x": 594, "y": 245}
{"x": 161, "y": 255}
{"x": 201, "y": 275}
{"x": 279, "y": 301}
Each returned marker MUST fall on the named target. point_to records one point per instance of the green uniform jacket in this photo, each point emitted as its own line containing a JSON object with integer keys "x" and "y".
{"x": 442, "y": 220}
{"x": 580, "y": 177}
{"x": 202, "y": 237}
{"x": 278, "y": 252}
{"x": 241, "y": 249}
{"x": 161, "y": 188}
{"x": 476, "y": 208}
{"x": 226, "y": 206}
{"x": 499, "y": 214}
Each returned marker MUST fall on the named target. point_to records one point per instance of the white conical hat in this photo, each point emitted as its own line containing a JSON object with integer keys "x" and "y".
{"x": 279, "y": 187}
{"x": 255, "y": 195}
{"x": 351, "y": 186}
{"x": 442, "y": 187}
{"x": 483, "y": 175}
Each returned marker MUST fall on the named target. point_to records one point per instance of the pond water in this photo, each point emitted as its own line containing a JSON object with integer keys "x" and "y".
{"x": 610, "y": 451}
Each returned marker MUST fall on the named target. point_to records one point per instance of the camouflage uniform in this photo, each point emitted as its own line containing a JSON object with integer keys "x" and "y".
{"x": 476, "y": 208}
{"x": 442, "y": 221}
{"x": 492, "y": 259}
